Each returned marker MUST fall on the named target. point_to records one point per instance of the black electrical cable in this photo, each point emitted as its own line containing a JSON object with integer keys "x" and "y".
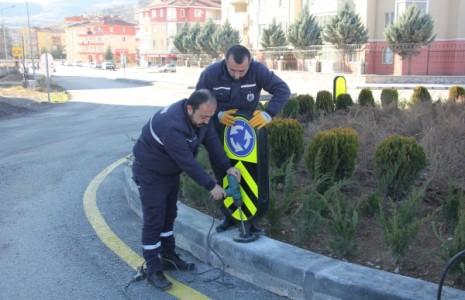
{"x": 141, "y": 273}
{"x": 444, "y": 274}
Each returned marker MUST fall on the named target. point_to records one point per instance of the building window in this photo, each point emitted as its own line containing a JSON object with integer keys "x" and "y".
{"x": 402, "y": 5}
{"x": 388, "y": 56}
{"x": 388, "y": 19}
{"x": 161, "y": 13}
{"x": 352, "y": 56}
{"x": 123, "y": 29}
{"x": 111, "y": 29}
{"x": 197, "y": 13}
{"x": 171, "y": 14}
{"x": 154, "y": 13}
{"x": 183, "y": 13}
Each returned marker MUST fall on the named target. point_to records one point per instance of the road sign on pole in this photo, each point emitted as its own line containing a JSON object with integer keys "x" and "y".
{"x": 17, "y": 51}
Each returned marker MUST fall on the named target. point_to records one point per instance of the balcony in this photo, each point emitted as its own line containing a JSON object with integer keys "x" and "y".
{"x": 240, "y": 5}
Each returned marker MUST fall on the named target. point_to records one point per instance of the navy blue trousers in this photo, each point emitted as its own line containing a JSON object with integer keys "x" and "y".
{"x": 159, "y": 196}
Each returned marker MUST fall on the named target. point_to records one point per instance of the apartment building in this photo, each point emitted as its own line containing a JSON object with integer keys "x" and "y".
{"x": 41, "y": 39}
{"x": 161, "y": 20}
{"x": 88, "y": 41}
{"x": 445, "y": 56}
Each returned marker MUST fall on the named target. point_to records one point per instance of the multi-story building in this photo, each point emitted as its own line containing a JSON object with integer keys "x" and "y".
{"x": 88, "y": 41}
{"x": 445, "y": 56}
{"x": 29, "y": 42}
{"x": 160, "y": 21}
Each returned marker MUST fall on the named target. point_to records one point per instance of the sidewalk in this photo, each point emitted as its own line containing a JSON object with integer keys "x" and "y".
{"x": 299, "y": 82}
{"x": 287, "y": 270}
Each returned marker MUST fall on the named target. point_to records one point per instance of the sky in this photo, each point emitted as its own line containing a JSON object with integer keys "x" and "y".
{"x": 46, "y": 12}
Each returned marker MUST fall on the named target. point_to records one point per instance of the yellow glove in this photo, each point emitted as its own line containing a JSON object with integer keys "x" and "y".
{"x": 259, "y": 119}
{"x": 227, "y": 118}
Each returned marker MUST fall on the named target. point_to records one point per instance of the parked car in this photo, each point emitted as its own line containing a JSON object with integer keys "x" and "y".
{"x": 167, "y": 68}
{"x": 108, "y": 65}
{"x": 78, "y": 63}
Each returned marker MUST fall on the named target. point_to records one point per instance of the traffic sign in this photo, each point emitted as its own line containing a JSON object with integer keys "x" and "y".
{"x": 17, "y": 51}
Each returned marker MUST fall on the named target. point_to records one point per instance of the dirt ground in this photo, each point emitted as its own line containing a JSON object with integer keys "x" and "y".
{"x": 16, "y": 101}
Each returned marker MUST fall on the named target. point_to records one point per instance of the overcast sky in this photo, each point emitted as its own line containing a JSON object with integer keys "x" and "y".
{"x": 45, "y": 12}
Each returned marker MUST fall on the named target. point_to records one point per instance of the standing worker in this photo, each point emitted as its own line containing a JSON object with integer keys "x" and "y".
{"x": 237, "y": 82}
{"x": 166, "y": 147}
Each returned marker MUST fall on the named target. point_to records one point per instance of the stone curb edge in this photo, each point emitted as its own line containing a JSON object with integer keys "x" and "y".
{"x": 284, "y": 269}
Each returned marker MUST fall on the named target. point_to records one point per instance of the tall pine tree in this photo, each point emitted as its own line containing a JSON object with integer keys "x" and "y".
{"x": 180, "y": 37}
{"x": 305, "y": 31}
{"x": 345, "y": 28}
{"x": 225, "y": 37}
{"x": 273, "y": 36}
{"x": 190, "y": 39}
{"x": 204, "y": 39}
{"x": 409, "y": 33}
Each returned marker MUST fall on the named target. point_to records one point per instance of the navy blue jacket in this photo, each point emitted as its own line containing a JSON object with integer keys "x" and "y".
{"x": 169, "y": 143}
{"x": 244, "y": 94}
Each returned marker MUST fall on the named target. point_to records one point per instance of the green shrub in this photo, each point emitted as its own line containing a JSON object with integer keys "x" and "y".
{"x": 420, "y": 94}
{"x": 285, "y": 140}
{"x": 456, "y": 93}
{"x": 451, "y": 207}
{"x": 279, "y": 202}
{"x": 404, "y": 157}
{"x": 291, "y": 109}
{"x": 309, "y": 217}
{"x": 333, "y": 153}
{"x": 324, "y": 101}
{"x": 400, "y": 229}
{"x": 454, "y": 245}
{"x": 343, "y": 222}
{"x": 191, "y": 190}
{"x": 343, "y": 101}
{"x": 365, "y": 98}
{"x": 306, "y": 106}
{"x": 389, "y": 98}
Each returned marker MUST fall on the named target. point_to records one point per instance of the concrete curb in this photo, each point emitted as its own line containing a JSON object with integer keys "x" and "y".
{"x": 284, "y": 269}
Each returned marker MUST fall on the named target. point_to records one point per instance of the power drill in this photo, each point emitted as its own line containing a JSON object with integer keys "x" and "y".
{"x": 234, "y": 191}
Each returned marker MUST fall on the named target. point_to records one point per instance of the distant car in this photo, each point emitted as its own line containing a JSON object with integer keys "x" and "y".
{"x": 108, "y": 65}
{"x": 167, "y": 68}
{"x": 78, "y": 63}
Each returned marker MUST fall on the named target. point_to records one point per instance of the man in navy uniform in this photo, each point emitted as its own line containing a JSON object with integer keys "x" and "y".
{"x": 237, "y": 82}
{"x": 166, "y": 147}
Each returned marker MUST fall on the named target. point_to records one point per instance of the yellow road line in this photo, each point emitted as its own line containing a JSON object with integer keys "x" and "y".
{"x": 114, "y": 243}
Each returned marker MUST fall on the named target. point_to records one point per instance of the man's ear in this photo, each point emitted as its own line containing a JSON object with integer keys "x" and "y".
{"x": 190, "y": 110}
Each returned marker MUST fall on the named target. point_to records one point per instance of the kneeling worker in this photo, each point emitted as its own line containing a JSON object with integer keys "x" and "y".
{"x": 166, "y": 147}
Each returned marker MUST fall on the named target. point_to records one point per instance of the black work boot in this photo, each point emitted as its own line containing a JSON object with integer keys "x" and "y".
{"x": 159, "y": 281}
{"x": 227, "y": 223}
{"x": 172, "y": 261}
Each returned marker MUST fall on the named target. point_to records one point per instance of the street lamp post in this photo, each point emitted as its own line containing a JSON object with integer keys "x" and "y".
{"x": 30, "y": 44}
{"x": 4, "y": 35}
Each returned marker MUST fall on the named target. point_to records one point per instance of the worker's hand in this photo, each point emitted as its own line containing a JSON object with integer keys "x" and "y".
{"x": 227, "y": 118}
{"x": 217, "y": 193}
{"x": 235, "y": 172}
{"x": 259, "y": 119}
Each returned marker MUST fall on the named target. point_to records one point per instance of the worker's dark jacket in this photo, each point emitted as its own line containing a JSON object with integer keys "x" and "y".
{"x": 169, "y": 143}
{"x": 245, "y": 93}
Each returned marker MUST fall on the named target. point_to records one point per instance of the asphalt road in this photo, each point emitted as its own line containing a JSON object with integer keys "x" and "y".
{"x": 48, "y": 248}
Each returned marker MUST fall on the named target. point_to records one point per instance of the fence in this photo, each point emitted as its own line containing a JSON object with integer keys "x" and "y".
{"x": 438, "y": 58}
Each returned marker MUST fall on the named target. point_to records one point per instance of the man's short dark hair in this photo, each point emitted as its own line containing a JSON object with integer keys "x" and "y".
{"x": 200, "y": 97}
{"x": 239, "y": 53}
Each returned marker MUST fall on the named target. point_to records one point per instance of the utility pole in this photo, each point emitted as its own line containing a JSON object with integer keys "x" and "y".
{"x": 4, "y": 37}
